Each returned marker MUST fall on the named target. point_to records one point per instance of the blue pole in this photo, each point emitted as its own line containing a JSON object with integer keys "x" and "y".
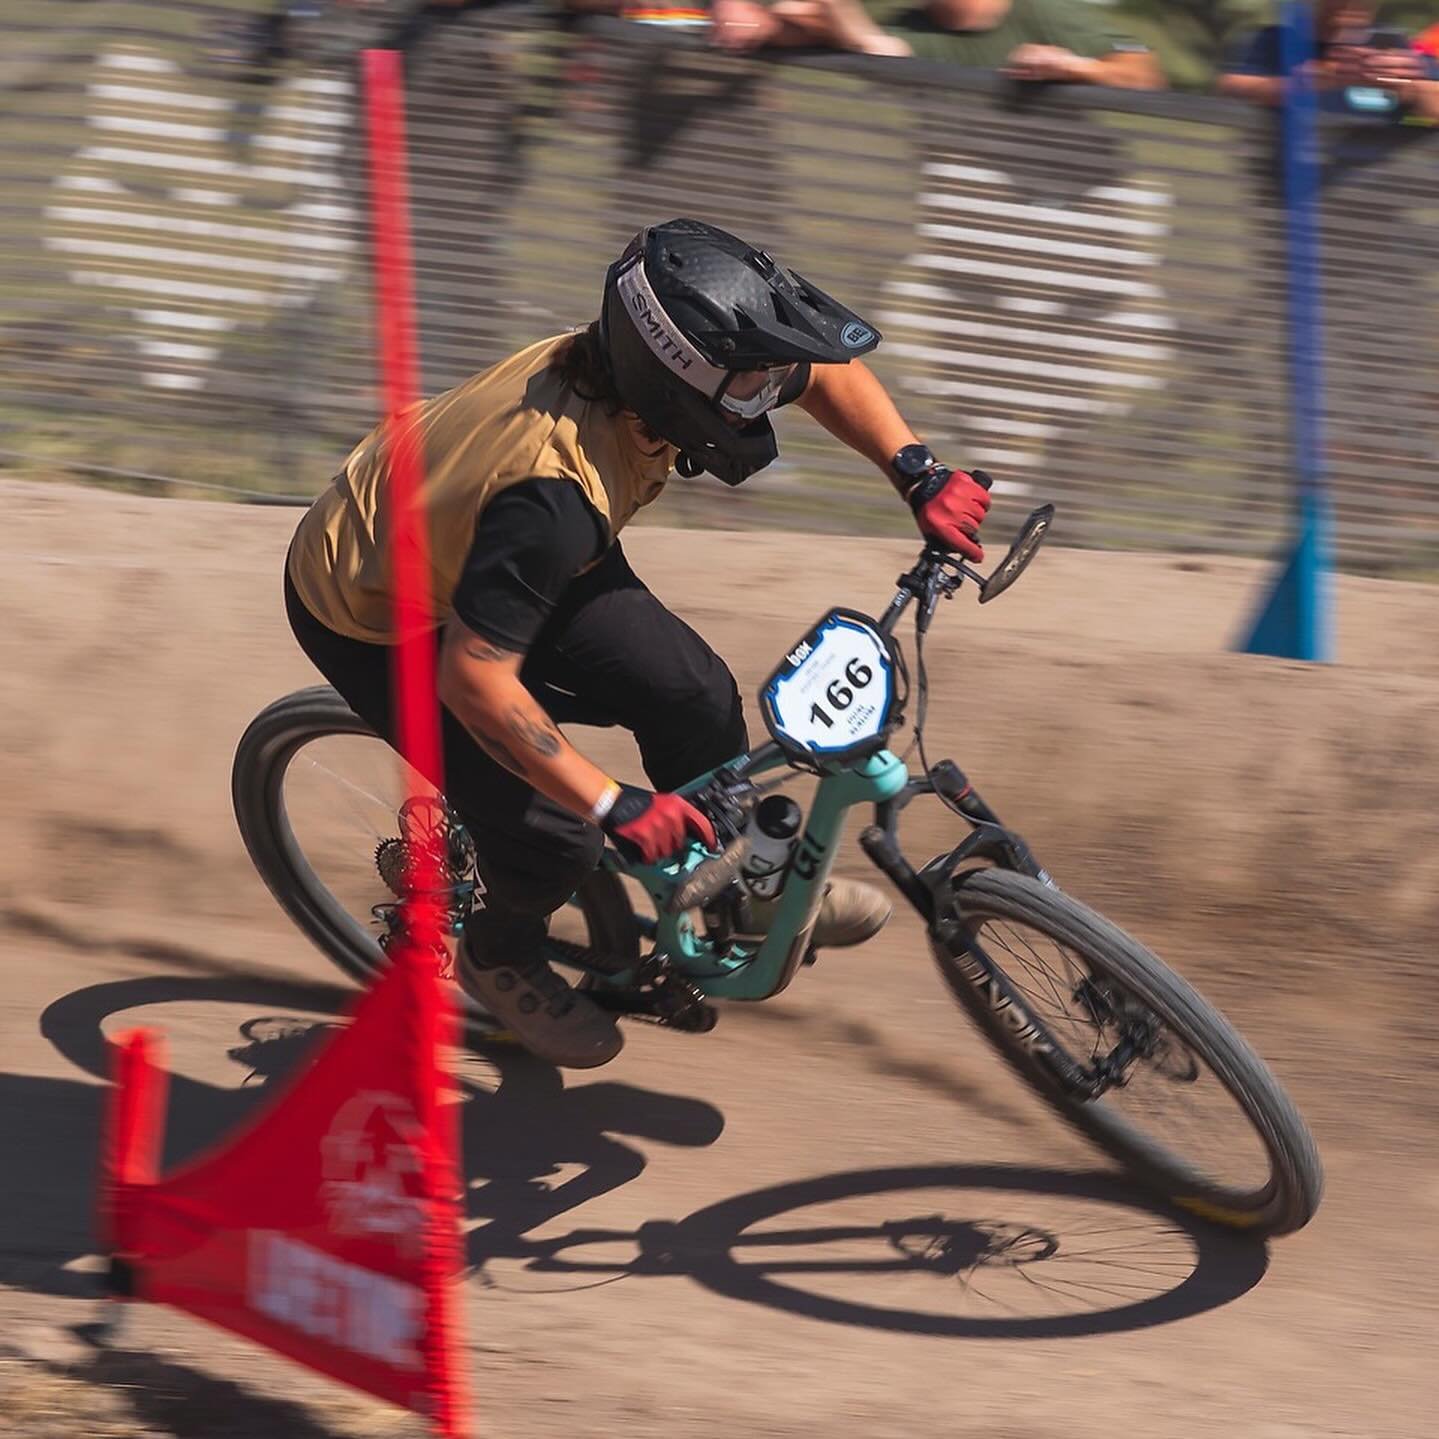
{"x": 1295, "y": 619}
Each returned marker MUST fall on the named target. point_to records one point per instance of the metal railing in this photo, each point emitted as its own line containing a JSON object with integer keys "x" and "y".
{"x": 1081, "y": 291}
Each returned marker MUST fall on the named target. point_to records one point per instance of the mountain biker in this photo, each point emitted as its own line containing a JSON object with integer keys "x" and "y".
{"x": 532, "y": 467}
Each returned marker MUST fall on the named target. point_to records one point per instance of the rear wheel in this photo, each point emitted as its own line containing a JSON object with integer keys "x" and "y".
{"x": 1189, "y": 1108}
{"x": 318, "y": 798}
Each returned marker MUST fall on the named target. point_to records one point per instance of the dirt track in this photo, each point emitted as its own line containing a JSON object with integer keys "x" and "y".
{"x": 1270, "y": 828}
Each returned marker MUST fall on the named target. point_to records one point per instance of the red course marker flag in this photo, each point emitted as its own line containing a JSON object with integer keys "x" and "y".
{"x": 329, "y": 1228}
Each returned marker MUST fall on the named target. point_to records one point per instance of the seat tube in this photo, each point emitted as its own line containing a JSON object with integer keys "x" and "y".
{"x": 871, "y": 780}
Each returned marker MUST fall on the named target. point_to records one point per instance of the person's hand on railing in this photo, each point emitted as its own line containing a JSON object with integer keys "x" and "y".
{"x": 1050, "y": 62}
{"x": 741, "y": 24}
{"x": 1128, "y": 66}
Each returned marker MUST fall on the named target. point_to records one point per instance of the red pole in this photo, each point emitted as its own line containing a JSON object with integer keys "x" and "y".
{"x": 134, "y": 1131}
{"x": 416, "y": 705}
{"x": 417, "y": 709}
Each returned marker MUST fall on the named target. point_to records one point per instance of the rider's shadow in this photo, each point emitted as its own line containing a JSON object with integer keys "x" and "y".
{"x": 523, "y": 1131}
{"x": 522, "y": 1138}
{"x": 532, "y": 1148}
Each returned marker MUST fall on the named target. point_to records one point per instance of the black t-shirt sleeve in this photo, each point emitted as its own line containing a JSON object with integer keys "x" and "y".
{"x": 532, "y": 539}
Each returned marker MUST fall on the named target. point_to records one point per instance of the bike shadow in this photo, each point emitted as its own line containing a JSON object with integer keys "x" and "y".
{"x": 1017, "y": 1252}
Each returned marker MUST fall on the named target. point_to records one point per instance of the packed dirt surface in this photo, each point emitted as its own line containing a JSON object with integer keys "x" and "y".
{"x": 838, "y": 1212}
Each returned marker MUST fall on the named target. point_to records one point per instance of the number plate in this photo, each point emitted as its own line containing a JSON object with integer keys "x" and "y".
{"x": 835, "y": 690}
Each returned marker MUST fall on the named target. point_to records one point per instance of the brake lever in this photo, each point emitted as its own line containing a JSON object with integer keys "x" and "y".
{"x": 726, "y": 802}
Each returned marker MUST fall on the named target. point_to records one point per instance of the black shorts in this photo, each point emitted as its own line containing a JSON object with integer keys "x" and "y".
{"x": 609, "y": 654}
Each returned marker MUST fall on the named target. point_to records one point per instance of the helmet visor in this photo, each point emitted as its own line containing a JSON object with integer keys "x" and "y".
{"x": 750, "y": 393}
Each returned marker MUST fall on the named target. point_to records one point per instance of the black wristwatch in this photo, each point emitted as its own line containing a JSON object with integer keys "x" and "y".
{"x": 921, "y": 476}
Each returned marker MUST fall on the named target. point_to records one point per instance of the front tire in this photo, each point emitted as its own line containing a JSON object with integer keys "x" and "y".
{"x": 1109, "y": 984}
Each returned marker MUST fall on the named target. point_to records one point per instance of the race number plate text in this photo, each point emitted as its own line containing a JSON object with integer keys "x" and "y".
{"x": 834, "y": 690}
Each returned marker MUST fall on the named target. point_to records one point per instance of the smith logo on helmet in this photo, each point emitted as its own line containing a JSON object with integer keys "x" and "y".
{"x": 684, "y": 294}
{"x": 662, "y": 340}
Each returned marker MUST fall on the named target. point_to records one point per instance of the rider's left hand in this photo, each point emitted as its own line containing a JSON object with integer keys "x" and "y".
{"x": 652, "y": 827}
{"x": 950, "y": 506}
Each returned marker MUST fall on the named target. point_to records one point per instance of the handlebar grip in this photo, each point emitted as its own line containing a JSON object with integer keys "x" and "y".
{"x": 706, "y": 880}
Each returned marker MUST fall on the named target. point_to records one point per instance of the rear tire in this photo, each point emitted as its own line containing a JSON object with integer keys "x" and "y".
{"x": 266, "y": 749}
{"x": 1289, "y": 1198}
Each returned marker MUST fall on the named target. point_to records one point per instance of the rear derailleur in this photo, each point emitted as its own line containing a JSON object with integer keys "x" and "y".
{"x": 427, "y": 823}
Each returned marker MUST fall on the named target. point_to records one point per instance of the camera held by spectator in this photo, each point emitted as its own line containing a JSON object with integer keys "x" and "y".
{"x": 1359, "y": 69}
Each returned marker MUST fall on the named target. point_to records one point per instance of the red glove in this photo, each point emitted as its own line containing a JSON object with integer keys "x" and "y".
{"x": 950, "y": 506}
{"x": 653, "y": 827}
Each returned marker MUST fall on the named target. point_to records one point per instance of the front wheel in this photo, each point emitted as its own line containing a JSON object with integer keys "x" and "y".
{"x": 1186, "y": 1105}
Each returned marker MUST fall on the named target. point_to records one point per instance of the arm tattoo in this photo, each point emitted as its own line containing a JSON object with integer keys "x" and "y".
{"x": 482, "y": 649}
{"x": 537, "y": 730}
{"x": 500, "y": 751}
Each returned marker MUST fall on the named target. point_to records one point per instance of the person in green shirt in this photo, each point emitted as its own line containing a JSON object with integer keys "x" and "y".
{"x": 1054, "y": 40}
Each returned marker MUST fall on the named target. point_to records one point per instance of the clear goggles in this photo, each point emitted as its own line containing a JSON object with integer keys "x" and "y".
{"x": 750, "y": 393}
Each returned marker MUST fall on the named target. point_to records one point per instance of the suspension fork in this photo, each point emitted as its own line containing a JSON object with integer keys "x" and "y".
{"x": 933, "y": 893}
{"x": 988, "y": 839}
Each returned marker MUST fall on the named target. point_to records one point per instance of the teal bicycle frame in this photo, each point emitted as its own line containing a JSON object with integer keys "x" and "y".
{"x": 734, "y": 969}
{"x": 744, "y": 972}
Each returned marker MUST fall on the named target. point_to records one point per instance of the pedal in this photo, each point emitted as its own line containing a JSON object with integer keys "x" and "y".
{"x": 678, "y": 1004}
{"x": 668, "y": 1000}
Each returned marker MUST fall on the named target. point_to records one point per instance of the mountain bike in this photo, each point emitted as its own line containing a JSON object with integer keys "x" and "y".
{"x": 1122, "y": 1047}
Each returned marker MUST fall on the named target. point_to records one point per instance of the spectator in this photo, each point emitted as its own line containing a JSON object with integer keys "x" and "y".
{"x": 829, "y": 24}
{"x": 1028, "y": 40}
{"x": 753, "y": 25}
{"x": 1427, "y": 42}
{"x": 1358, "y": 70}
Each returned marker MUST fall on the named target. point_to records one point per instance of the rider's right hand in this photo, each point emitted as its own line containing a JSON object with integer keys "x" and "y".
{"x": 652, "y": 827}
{"x": 950, "y": 506}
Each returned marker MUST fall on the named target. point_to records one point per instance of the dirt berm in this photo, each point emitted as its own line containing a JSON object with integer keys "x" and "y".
{"x": 1269, "y": 826}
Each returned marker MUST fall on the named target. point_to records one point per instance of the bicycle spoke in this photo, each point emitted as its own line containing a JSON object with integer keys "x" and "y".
{"x": 1196, "y": 1117}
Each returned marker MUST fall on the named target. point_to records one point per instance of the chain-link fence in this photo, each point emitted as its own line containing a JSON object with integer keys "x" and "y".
{"x": 1081, "y": 291}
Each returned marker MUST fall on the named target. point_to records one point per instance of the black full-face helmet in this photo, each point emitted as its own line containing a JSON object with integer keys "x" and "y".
{"x": 701, "y": 330}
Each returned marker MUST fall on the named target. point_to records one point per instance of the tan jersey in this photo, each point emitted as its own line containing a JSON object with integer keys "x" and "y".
{"x": 516, "y": 421}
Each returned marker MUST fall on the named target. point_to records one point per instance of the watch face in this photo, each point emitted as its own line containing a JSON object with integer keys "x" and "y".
{"x": 913, "y": 460}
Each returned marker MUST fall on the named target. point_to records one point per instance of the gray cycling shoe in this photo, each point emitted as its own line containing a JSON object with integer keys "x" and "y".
{"x": 849, "y": 914}
{"x": 540, "y": 1009}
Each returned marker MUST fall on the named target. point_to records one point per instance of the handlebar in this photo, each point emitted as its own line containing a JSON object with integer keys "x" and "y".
{"x": 937, "y": 574}
{"x": 729, "y": 795}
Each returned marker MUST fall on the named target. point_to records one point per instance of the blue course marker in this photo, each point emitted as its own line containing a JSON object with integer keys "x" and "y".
{"x": 1295, "y": 620}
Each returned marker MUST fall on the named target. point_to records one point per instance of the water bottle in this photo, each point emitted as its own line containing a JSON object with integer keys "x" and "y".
{"x": 772, "y": 831}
